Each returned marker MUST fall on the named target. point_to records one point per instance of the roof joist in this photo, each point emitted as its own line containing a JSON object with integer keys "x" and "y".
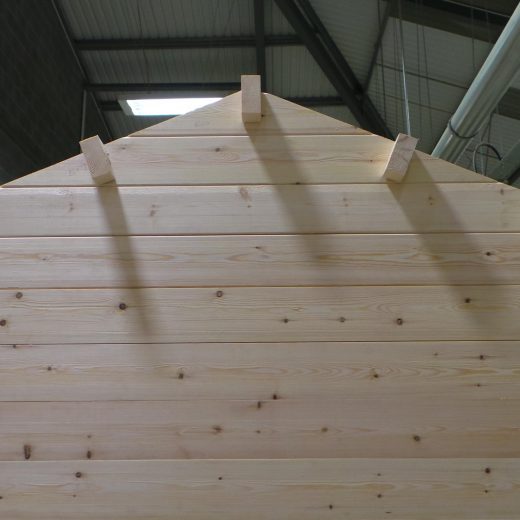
{"x": 191, "y": 42}
{"x": 308, "y": 26}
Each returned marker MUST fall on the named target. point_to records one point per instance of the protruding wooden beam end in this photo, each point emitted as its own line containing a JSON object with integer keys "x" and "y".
{"x": 97, "y": 160}
{"x": 251, "y": 99}
{"x": 400, "y": 158}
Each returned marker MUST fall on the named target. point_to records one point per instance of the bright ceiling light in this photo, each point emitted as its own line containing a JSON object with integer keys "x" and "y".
{"x": 165, "y": 106}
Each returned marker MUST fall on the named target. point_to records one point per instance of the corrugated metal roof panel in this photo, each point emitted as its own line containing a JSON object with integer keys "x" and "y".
{"x": 340, "y": 112}
{"x": 440, "y": 65}
{"x": 449, "y": 57}
{"x": 157, "y": 18}
{"x": 353, "y": 27}
{"x": 123, "y": 125}
{"x": 293, "y": 72}
{"x": 503, "y": 132}
{"x": 428, "y": 117}
{"x": 169, "y": 65}
{"x": 275, "y": 21}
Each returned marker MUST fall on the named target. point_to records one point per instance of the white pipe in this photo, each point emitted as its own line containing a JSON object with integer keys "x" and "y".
{"x": 484, "y": 94}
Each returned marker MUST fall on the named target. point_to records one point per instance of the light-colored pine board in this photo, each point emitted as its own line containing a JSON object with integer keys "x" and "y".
{"x": 241, "y": 160}
{"x": 97, "y": 160}
{"x": 260, "y": 314}
{"x": 225, "y": 118}
{"x": 409, "y": 489}
{"x": 251, "y": 99}
{"x": 279, "y": 260}
{"x": 356, "y": 208}
{"x": 90, "y": 372}
{"x": 408, "y": 426}
{"x": 399, "y": 158}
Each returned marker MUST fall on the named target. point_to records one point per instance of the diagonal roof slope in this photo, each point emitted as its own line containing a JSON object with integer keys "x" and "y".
{"x": 315, "y": 149}
{"x": 224, "y": 118}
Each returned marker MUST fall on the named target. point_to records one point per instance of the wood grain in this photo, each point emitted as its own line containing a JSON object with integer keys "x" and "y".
{"x": 257, "y": 295}
{"x": 280, "y": 260}
{"x": 258, "y": 314}
{"x": 97, "y": 160}
{"x": 280, "y": 117}
{"x": 399, "y": 158}
{"x": 276, "y": 428}
{"x": 364, "y": 489}
{"x": 224, "y": 160}
{"x": 251, "y": 99}
{"x": 109, "y": 372}
{"x": 359, "y": 208}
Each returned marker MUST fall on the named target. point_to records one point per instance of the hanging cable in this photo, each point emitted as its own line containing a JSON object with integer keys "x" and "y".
{"x": 426, "y": 68}
{"x": 382, "y": 68}
{"x": 397, "y": 109}
{"x": 488, "y": 27}
{"x": 468, "y": 138}
{"x": 460, "y": 136}
{"x": 403, "y": 70}
{"x": 215, "y": 55}
{"x": 484, "y": 140}
{"x": 141, "y": 36}
{"x": 419, "y": 78}
{"x": 477, "y": 148}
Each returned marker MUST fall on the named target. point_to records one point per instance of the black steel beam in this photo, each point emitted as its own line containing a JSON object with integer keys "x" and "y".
{"x": 183, "y": 43}
{"x": 331, "y": 47}
{"x": 325, "y": 101}
{"x": 474, "y": 21}
{"x": 307, "y": 25}
{"x": 82, "y": 69}
{"x": 513, "y": 178}
{"x": 508, "y": 106}
{"x": 110, "y": 106}
{"x": 114, "y": 106}
{"x": 163, "y": 87}
{"x": 377, "y": 46}
{"x": 471, "y": 10}
{"x": 260, "y": 41}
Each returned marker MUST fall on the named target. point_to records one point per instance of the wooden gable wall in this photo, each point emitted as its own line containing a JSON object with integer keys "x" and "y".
{"x": 252, "y": 323}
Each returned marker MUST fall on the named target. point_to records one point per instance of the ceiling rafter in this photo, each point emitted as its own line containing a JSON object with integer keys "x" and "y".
{"x": 473, "y": 21}
{"x": 81, "y": 66}
{"x": 379, "y": 40}
{"x": 192, "y": 42}
{"x": 224, "y": 87}
{"x": 258, "y": 8}
{"x": 308, "y": 26}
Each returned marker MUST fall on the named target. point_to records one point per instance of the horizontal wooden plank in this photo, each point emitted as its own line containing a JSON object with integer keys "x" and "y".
{"x": 408, "y": 426}
{"x": 279, "y": 117}
{"x": 281, "y": 260}
{"x": 395, "y": 313}
{"x": 364, "y": 489}
{"x": 241, "y": 160}
{"x": 257, "y": 371}
{"x": 357, "y": 208}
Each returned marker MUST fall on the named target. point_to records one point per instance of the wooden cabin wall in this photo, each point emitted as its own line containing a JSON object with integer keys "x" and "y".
{"x": 259, "y": 327}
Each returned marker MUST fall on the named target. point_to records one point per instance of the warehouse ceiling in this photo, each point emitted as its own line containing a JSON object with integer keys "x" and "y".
{"x": 342, "y": 58}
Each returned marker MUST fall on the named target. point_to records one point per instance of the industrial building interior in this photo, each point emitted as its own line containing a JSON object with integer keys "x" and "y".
{"x": 278, "y": 306}
{"x": 388, "y": 66}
